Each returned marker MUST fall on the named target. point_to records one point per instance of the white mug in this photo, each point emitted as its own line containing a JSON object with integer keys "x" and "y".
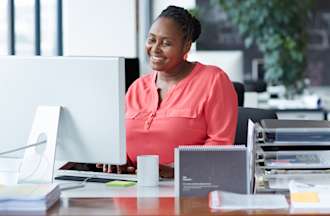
{"x": 148, "y": 170}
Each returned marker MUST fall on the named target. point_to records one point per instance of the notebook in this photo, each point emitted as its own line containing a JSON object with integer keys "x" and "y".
{"x": 201, "y": 169}
{"x": 28, "y": 197}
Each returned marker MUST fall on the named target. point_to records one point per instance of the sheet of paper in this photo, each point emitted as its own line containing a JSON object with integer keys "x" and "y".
{"x": 229, "y": 201}
{"x": 309, "y": 196}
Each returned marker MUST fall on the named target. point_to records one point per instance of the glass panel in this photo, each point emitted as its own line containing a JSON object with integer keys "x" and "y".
{"x": 48, "y": 27}
{"x": 24, "y": 27}
{"x": 4, "y": 27}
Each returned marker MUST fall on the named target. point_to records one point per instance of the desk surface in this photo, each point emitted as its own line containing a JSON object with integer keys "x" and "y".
{"x": 99, "y": 190}
{"x": 94, "y": 200}
{"x": 150, "y": 206}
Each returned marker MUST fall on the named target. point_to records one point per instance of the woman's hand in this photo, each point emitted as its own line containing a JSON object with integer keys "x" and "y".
{"x": 120, "y": 169}
{"x": 128, "y": 168}
{"x": 166, "y": 171}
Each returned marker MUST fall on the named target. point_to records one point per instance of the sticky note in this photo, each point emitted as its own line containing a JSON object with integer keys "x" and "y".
{"x": 305, "y": 197}
{"x": 120, "y": 183}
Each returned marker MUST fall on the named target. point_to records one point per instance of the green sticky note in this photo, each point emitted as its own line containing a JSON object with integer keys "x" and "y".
{"x": 120, "y": 183}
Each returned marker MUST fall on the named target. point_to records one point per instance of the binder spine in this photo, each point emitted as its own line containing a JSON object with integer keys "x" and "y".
{"x": 177, "y": 172}
{"x": 210, "y": 148}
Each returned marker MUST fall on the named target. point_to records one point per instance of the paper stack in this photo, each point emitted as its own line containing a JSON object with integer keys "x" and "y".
{"x": 28, "y": 197}
{"x": 308, "y": 196}
{"x": 223, "y": 200}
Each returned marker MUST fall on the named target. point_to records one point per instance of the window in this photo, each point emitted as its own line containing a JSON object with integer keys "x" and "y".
{"x": 31, "y": 27}
{"x": 48, "y": 27}
{"x": 25, "y": 27}
{"x": 4, "y": 42}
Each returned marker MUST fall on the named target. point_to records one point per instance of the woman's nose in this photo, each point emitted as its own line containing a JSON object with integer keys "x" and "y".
{"x": 156, "y": 48}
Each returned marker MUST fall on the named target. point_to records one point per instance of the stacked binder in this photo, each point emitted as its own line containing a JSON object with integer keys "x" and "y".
{"x": 292, "y": 150}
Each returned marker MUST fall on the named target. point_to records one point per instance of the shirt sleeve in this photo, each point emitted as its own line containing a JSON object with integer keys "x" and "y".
{"x": 221, "y": 112}
{"x": 131, "y": 91}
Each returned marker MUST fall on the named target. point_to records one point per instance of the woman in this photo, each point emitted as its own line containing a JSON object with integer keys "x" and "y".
{"x": 179, "y": 102}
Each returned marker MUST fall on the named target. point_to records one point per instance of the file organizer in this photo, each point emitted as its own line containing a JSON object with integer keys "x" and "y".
{"x": 292, "y": 150}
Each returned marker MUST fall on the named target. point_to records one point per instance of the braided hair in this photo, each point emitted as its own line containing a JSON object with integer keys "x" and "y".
{"x": 189, "y": 25}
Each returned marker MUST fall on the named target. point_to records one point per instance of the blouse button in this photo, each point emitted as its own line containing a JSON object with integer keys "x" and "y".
{"x": 147, "y": 124}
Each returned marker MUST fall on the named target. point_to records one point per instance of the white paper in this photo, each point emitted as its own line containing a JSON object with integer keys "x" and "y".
{"x": 231, "y": 201}
{"x": 250, "y": 151}
{"x": 309, "y": 196}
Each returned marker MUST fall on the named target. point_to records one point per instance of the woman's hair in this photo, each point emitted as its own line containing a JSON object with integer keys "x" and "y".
{"x": 190, "y": 26}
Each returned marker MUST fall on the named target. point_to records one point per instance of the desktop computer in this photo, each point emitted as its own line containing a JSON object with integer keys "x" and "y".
{"x": 90, "y": 92}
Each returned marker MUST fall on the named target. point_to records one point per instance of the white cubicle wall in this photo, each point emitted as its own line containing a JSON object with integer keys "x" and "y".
{"x": 100, "y": 28}
{"x": 229, "y": 61}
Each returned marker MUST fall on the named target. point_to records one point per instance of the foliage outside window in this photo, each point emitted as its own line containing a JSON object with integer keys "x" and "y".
{"x": 278, "y": 27}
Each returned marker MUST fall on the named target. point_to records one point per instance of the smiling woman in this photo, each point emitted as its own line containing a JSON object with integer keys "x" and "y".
{"x": 179, "y": 102}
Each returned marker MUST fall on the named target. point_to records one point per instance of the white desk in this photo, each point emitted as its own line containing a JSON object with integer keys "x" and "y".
{"x": 99, "y": 190}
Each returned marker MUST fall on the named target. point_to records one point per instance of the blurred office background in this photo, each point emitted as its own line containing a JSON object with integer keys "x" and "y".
{"x": 119, "y": 28}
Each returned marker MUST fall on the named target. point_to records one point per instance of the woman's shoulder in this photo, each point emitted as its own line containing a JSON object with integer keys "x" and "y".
{"x": 145, "y": 77}
{"x": 143, "y": 81}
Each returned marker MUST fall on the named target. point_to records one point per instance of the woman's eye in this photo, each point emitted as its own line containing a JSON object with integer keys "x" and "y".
{"x": 166, "y": 43}
{"x": 151, "y": 40}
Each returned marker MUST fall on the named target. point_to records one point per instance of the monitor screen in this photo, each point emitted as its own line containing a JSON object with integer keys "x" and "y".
{"x": 91, "y": 92}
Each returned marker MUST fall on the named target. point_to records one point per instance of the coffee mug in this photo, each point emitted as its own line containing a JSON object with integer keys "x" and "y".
{"x": 148, "y": 170}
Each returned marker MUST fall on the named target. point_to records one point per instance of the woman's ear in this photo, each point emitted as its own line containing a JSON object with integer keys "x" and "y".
{"x": 187, "y": 46}
{"x": 186, "y": 49}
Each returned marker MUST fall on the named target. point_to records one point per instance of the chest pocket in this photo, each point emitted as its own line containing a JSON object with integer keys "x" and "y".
{"x": 181, "y": 113}
{"x": 186, "y": 118}
{"x": 137, "y": 115}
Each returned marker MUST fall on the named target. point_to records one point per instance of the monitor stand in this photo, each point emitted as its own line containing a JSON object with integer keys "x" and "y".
{"x": 38, "y": 161}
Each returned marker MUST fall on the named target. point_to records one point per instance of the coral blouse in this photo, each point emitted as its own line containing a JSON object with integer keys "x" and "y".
{"x": 201, "y": 109}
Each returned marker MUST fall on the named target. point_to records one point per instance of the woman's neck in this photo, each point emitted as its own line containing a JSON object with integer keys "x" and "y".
{"x": 173, "y": 77}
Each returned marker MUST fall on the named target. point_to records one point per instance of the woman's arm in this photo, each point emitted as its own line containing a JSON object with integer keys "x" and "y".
{"x": 221, "y": 112}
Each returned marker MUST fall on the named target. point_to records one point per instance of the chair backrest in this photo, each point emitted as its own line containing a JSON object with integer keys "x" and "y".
{"x": 256, "y": 115}
{"x": 240, "y": 89}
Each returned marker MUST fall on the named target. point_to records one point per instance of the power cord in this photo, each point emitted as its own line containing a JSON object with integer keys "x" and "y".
{"x": 23, "y": 147}
{"x": 74, "y": 186}
{"x": 26, "y": 147}
{"x": 70, "y": 185}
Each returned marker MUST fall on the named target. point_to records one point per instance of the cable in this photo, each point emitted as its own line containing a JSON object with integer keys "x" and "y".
{"x": 74, "y": 186}
{"x": 22, "y": 148}
{"x": 26, "y": 147}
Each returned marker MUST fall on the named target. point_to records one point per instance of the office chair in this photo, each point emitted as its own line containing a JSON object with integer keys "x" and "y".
{"x": 255, "y": 85}
{"x": 256, "y": 115}
{"x": 240, "y": 89}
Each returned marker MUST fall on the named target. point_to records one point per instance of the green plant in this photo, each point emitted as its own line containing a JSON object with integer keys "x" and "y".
{"x": 278, "y": 27}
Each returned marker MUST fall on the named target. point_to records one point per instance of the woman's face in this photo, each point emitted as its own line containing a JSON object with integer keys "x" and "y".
{"x": 165, "y": 45}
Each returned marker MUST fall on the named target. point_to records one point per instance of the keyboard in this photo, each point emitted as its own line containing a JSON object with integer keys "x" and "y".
{"x": 76, "y": 175}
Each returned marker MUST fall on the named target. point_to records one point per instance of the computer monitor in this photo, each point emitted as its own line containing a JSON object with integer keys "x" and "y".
{"x": 91, "y": 92}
